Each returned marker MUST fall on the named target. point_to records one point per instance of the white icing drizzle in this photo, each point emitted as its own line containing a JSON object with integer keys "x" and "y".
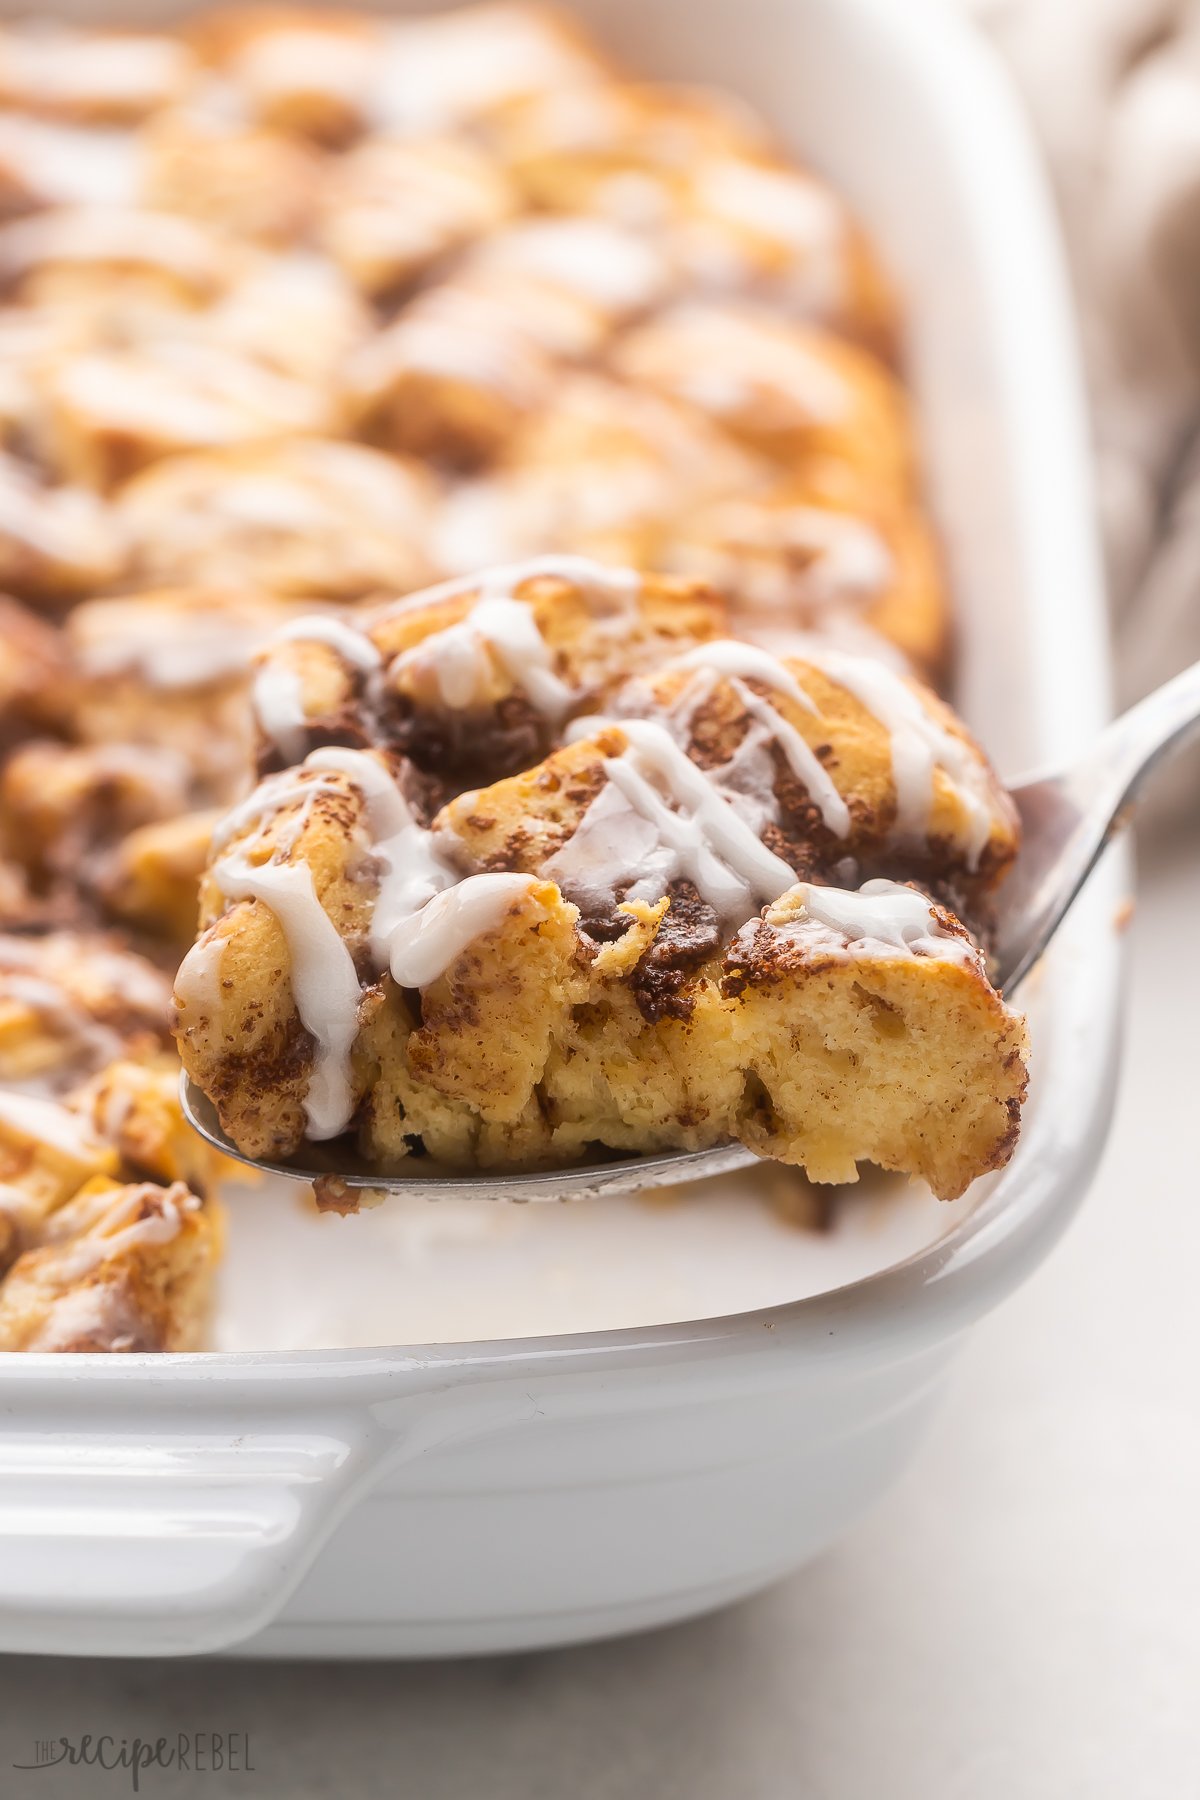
{"x": 50, "y": 1124}
{"x": 882, "y": 919}
{"x": 774, "y": 202}
{"x": 300, "y": 60}
{"x": 277, "y": 700}
{"x": 453, "y": 332}
{"x": 437, "y": 72}
{"x": 63, "y": 1015}
{"x": 265, "y": 801}
{"x": 604, "y": 265}
{"x": 325, "y": 984}
{"x": 60, "y": 65}
{"x": 168, "y": 647}
{"x": 721, "y": 358}
{"x": 427, "y": 943}
{"x": 802, "y": 759}
{"x": 425, "y": 914}
{"x": 68, "y": 165}
{"x": 505, "y": 628}
{"x": 118, "y": 1232}
{"x": 782, "y": 209}
{"x": 277, "y": 696}
{"x": 781, "y": 558}
{"x": 599, "y": 580}
{"x": 412, "y": 868}
{"x": 499, "y": 628}
{"x": 423, "y": 918}
{"x": 705, "y": 841}
{"x": 353, "y": 646}
{"x": 98, "y": 1312}
{"x": 730, "y": 657}
{"x": 920, "y": 745}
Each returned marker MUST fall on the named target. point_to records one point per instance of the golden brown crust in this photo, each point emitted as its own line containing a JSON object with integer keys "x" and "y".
{"x": 70, "y": 1002}
{"x": 118, "y": 1269}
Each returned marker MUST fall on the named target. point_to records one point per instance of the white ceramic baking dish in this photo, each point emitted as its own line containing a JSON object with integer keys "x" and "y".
{"x": 529, "y": 1491}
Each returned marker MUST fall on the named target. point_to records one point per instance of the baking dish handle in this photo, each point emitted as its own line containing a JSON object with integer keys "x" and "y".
{"x": 131, "y": 1543}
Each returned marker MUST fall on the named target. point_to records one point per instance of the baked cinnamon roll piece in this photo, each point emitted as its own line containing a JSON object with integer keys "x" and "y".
{"x": 72, "y": 1002}
{"x": 63, "y": 806}
{"x": 470, "y": 360}
{"x": 91, "y": 77}
{"x": 37, "y": 680}
{"x": 66, "y": 254}
{"x": 117, "y": 1270}
{"x": 234, "y": 176}
{"x": 392, "y": 209}
{"x": 109, "y": 1235}
{"x": 610, "y": 947}
{"x": 329, "y": 75}
{"x": 478, "y": 675}
{"x": 817, "y": 554}
{"x": 602, "y": 472}
{"x": 307, "y": 517}
{"x": 790, "y": 391}
{"x": 170, "y": 670}
{"x": 698, "y": 173}
{"x": 56, "y": 542}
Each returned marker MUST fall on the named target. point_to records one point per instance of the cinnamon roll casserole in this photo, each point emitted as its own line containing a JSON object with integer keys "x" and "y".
{"x": 467, "y": 594}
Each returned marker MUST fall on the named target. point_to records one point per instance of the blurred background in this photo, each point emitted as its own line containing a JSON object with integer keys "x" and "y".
{"x": 1113, "y": 89}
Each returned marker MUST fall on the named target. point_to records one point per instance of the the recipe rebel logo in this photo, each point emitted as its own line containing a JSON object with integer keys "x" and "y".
{"x": 186, "y": 1752}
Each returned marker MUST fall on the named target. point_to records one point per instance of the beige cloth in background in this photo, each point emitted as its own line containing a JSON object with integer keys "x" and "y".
{"x": 1113, "y": 88}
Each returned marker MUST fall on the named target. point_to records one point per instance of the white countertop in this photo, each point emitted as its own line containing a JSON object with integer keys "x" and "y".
{"x": 1019, "y": 1620}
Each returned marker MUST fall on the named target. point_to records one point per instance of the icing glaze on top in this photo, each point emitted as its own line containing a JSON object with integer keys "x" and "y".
{"x": 425, "y": 913}
{"x": 459, "y": 659}
{"x": 501, "y": 582}
{"x": 721, "y": 358}
{"x": 355, "y": 647}
{"x": 66, "y": 165}
{"x": 423, "y": 917}
{"x": 613, "y": 270}
{"x": 48, "y": 1123}
{"x": 733, "y": 657}
{"x": 277, "y": 697}
{"x": 882, "y": 919}
{"x": 120, "y": 74}
{"x": 733, "y": 660}
{"x": 503, "y": 629}
{"x": 440, "y": 71}
{"x": 660, "y": 818}
{"x": 423, "y": 948}
{"x": 772, "y": 202}
{"x": 119, "y": 1230}
{"x": 325, "y": 984}
{"x": 920, "y": 745}
{"x": 168, "y": 646}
